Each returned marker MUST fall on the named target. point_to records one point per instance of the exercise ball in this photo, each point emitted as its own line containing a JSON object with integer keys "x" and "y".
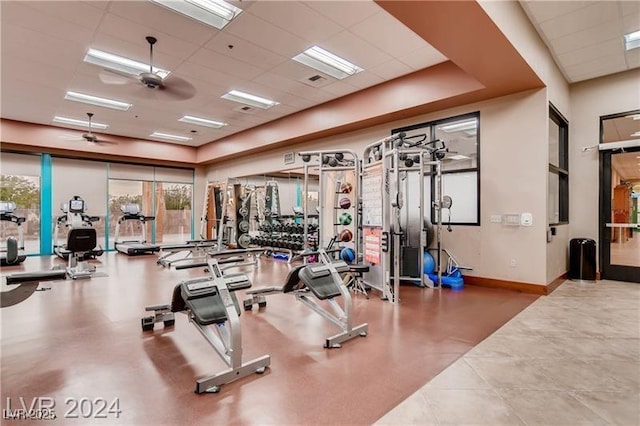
{"x": 346, "y": 236}
{"x": 348, "y": 255}
{"x": 346, "y": 188}
{"x": 344, "y": 203}
{"x": 345, "y": 219}
{"x": 429, "y": 263}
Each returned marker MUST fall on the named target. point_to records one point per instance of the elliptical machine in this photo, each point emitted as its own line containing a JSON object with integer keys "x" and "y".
{"x": 13, "y": 252}
{"x": 75, "y": 218}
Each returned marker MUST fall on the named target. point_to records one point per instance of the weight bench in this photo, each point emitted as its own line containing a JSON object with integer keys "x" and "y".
{"x": 324, "y": 282}
{"x": 27, "y": 284}
{"x": 211, "y": 301}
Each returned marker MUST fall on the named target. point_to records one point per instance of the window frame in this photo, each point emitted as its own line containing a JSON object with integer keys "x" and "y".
{"x": 562, "y": 169}
{"x": 431, "y": 126}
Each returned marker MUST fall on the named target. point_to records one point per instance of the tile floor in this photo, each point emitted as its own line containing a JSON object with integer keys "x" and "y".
{"x": 571, "y": 358}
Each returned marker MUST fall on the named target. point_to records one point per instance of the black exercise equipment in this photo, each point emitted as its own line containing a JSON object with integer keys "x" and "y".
{"x": 131, "y": 213}
{"x": 74, "y": 217}
{"x": 324, "y": 282}
{"x": 212, "y": 307}
{"x": 13, "y": 255}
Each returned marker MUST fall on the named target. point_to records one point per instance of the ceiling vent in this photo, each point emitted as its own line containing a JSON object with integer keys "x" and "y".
{"x": 317, "y": 80}
{"x": 246, "y": 109}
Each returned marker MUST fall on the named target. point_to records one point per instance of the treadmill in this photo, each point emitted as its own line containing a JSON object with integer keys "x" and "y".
{"x": 7, "y": 209}
{"x": 131, "y": 212}
{"x": 74, "y": 216}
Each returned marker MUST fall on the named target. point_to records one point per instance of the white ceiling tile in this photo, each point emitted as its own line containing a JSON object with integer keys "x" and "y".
{"x": 135, "y": 49}
{"x": 97, "y": 4}
{"x": 353, "y": 48}
{"x": 219, "y": 82}
{"x": 339, "y": 88}
{"x": 26, "y": 43}
{"x": 580, "y": 19}
{"x": 391, "y": 69}
{"x": 364, "y": 79}
{"x": 32, "y": 71}
{"x": 345, "y": 13}
{"x": 396, "y": 40}
{"x": 124, "y": 29}
{"x": 294, "y": 70}
{"x": 590, "y": 53}
{"x": 21, "y": 14}
{"x": 544, "y": 10}
{"x": 244, "y": 51}
{"x": 296, "y": 101}
{"x": 423, "y": 57}
{"x": 308, "y": 24}
{"x": 632, "y": 58}
{"x": 607, "y": 64}
{"x": 266, "y": 35}
{"x": 72, "y": 12}
{"x": 163, "y": 19}
{"x": 588, "y": 37}
{"x": 629, "y": 7}
{"x": 225, "y": 64}
{"x": 631, "y": 23}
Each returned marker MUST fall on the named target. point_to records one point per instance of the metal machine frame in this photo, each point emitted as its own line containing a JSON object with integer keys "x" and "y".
{"x": 226, "y": 340}
{"x": 134, "y": 247}
{"x": 6, "y": 215}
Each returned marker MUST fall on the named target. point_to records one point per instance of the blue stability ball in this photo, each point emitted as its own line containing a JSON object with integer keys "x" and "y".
{"x": 429, "y": 263}
{"x": 348, "y": 255}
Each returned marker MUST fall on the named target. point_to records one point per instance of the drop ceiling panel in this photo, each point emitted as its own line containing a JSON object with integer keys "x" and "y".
{"x": 382, "y": 30}
{"x": 630, "y": 7}
{"x": 631, "y": 23}
{"x": 423, "y": 57}
{"x": 136, "y": 49}
{"x": 356, "y": 50}
{"x": 219, "y": 81}
{"x": 162, "y": 19}
{"x": 345, "y": 13}
{"x": 554, "y": 9}
{"x": 596, "y": 68}
{"x": 124, "y": 29}
{"x": 339, "y": 88}
{"x": 244, "y": 51}
{"x": 266, "y": 35}
{"x": 25, "y": 16}
{"x": 391, "y": 69}
{"x": 32, "y": 72}
{"x": 76, "y": 13}
{"x": 225, "y": 64}
{"x": 308, "y": 24}
{"x": 591, "y": 36}
{"x": 364, "y": 79}
{"x": 589, "y": 53}
{"x": 580, "y": 19}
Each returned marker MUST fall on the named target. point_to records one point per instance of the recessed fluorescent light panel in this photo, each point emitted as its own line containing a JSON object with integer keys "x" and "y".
{"x": 79, "y": 123}
{"x": 170, "y": 137}
{"x": 326, "y": 62}
{"x": 202, "y": 121}
{"x": 94, "y": 100}
{"x": 635, "y": 135}
{"x": 457, "y": 127}
{"x": 249, "y": 99}
{"x": 120, "y": 63}
{"x": 216, "y": 13}
{"x": 632, "y": 40}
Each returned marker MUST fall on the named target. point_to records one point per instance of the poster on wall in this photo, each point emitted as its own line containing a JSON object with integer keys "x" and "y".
{"x": 371, "y": 196}
{"x": 372, "y": 245}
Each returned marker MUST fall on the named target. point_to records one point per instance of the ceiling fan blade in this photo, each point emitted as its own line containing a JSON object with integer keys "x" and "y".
{"x": 105, "y": 142}
{"x": 116, "y": 78}
{"x": 178, "y": 88}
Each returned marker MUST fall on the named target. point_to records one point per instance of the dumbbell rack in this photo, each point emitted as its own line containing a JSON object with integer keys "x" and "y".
{"x": 287, "y": 238}
{"x": 338, "y": 228}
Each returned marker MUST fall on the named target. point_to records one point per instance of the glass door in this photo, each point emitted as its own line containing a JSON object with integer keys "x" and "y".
{"x": 620, "y": 197}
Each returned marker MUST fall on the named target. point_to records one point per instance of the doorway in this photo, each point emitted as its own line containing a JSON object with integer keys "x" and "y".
{"x": 620, "y": 196}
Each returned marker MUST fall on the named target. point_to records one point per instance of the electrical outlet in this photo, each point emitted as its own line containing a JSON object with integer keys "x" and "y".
{"x": 513, "y": 263}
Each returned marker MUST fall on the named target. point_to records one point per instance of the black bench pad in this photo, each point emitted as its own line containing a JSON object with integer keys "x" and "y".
{"x": 323, "y": 287}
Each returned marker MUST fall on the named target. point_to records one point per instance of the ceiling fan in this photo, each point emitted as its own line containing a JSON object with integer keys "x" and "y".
{"x": 90, "y": 136}
{"x": 153, "y": 85}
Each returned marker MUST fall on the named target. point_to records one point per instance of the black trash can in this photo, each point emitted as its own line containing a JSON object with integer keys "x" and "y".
{"x": 582, "y": 259}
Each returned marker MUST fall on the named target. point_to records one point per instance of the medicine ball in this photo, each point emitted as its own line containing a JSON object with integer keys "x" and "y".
{"x": 339, "y": 156}
{"x": 346, "y": 236}
{"x": 306, "y": 158}
{"x": 429, "y": 263}
{"x": 345, "y": 219}
{"x": 348, "y": 255}
{"x": 344, "y": 203}
{"x": 333, "y": 162}
{"x": 346, "y": 188}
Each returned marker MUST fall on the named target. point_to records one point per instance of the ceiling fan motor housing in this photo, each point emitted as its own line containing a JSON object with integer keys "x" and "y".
{"x": 151, "y": 80}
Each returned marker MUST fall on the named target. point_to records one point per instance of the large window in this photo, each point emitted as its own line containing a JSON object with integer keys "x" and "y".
{"x": 558, "y": 182}
{"x": 24, "y": 191}
{"x": 128, "y": 192}
{"x": 461, "y": 165}
{"x": 173, "y": 212}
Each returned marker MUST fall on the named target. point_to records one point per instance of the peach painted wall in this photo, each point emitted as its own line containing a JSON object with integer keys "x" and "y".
{"x": 513, "y": 138}
{"x": 39, "y": 138}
